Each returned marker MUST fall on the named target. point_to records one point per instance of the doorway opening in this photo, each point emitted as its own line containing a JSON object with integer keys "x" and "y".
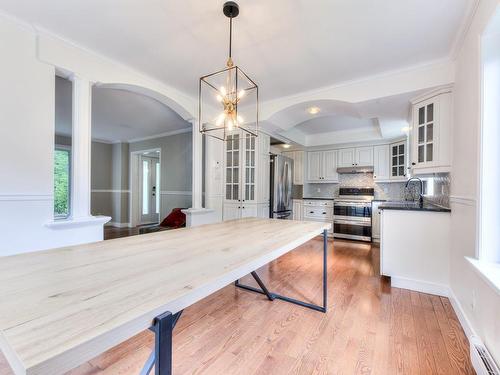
{"x": 145, "y": 174}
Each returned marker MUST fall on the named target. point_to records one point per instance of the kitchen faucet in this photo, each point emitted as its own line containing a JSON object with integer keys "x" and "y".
{"x": 421, "y": 199}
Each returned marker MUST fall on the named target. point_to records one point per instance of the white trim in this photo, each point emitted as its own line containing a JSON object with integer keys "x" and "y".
{"x": 464, "y": 30}
{"x": 174, "y": 192}
{"x": 462, "y": 317}
{"x": 420, "y": 286}
{"x": 161, "y": 135}
{"x": 26, "y": 197}
{"x": 463, "y": 200}
{"x": 110, "y": 191}
{"x": 78, "y": 223}
{"x": 117, "y": 225}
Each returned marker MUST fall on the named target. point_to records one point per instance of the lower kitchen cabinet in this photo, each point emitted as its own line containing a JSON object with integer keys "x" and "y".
{"x": 318, "y": 210}
{"x": 297, "y": 209}
{"x": 376, "y": 221}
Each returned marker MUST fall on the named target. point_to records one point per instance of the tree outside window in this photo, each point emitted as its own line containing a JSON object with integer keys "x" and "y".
{"x": 62, "y": 162}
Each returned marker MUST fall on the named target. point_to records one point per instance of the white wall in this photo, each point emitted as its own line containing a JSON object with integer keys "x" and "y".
{"x": 469, "y": 289}
{"x": 26, "y": 148}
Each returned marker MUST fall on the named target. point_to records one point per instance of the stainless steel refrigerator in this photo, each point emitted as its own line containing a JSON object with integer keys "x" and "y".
{"x": 281, "y": 187}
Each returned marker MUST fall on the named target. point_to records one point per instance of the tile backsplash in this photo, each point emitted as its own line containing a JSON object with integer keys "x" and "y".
{"x": 437, "y": 188}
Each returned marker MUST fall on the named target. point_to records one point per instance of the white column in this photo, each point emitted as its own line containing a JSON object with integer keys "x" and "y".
{"x": 197, "y": 166}
{"x": 197, "y": 215}
{"x": 81, "y": 145}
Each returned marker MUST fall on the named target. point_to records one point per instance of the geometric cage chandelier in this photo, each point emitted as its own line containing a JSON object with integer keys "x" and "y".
{"x": 228, "y": 100}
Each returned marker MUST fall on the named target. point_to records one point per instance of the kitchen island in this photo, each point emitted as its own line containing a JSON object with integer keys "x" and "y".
{"x": 415, "y": 246}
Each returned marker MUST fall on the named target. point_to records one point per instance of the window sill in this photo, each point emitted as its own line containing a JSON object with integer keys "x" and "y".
{"x": 77, "y": 223}
{"x": 489, "y": 272}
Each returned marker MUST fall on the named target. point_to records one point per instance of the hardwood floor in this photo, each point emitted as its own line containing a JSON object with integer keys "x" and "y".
{"x": 370, "y": 328}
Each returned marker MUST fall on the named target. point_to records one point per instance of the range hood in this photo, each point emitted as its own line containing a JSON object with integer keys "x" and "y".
{"x": 356, "y": 169}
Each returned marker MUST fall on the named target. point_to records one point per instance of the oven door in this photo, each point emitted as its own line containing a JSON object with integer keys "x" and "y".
{"x": 360, "y": 230}
{"x": 352, "y": 210}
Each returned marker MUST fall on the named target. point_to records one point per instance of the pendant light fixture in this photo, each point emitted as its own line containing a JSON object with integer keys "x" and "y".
{"x": 228, "y": 99}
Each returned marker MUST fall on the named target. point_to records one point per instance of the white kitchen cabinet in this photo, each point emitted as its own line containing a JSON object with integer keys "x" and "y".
{"x": 359, "y": 156}
{"x": 399, "y": 166}
{"x": 318, "y": 210}
{"x": 364, "y": 156}
{"x": 298, "y": 162}
{"x": 376, "y": 221}
{"x": 431, "y": 132}
{"x": 381, "y": 163}
{"x": 297, "y": 209}
{"x": 346, "y": 157}
{"x": 322, "y": 166}
{"x": 314, "y": 166}
{"x": 298, "y": 165}
{"x": 246, "y": 175}
{"x": 330, "y": 166}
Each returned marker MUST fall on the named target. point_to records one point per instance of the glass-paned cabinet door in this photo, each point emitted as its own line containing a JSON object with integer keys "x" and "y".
{"x": 250, "y": 161}
{"x": 425, "y": 133}
{"x": 233, "y": 146}
{"x": 398, "y": 160}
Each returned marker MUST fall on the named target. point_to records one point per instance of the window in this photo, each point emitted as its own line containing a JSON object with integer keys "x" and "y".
{"x": 62, "y": 178}
{"x": 63, "y": 140}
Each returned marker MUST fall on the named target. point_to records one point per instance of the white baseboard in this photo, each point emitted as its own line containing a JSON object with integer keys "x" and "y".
{"x": 420, "y": 286}
{"x": 117, "y": 225}
{"x": 462, "y": 317}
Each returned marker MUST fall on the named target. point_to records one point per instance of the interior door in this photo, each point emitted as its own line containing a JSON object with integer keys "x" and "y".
{"x": 150, "y": 189}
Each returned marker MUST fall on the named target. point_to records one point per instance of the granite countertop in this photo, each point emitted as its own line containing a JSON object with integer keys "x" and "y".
{"x": 412, "y": 206}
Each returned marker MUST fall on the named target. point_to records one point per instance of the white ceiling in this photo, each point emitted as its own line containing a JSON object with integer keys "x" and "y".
{"x": 118, "y": 115}
{"x": 334, "y": 123}
{"x": 286, "y": 46}
{"x": 341, "y": 122}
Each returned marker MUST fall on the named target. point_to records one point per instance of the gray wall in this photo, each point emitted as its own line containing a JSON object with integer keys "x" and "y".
{"x": 109, "y": 181}
{"x": 176, "y": 169}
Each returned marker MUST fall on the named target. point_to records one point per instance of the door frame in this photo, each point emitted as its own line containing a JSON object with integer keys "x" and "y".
{"x": 134, "y": 206}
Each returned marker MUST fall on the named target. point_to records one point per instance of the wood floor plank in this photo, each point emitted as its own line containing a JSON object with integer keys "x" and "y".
{"x": 370, "y": 328}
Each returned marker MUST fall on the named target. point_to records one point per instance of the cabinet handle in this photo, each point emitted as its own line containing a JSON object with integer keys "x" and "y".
{"x": 311, "y": 212}
{"x": 413, "y": 163}
{"x": 324, "y": 213}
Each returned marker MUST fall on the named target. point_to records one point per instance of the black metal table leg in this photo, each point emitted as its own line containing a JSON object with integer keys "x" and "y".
{"x": 164, "y": 326}
{"x": 273, "y": 296}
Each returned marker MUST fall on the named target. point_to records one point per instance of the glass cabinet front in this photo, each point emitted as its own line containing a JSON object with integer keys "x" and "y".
{"x": 398, "y": 160}
{"x": 233, "y": 167}
{"x": 425, "y": 133}
{"x": 240, "y": 168}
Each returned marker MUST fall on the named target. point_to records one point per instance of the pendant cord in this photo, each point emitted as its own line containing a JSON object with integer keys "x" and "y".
{"x": 230, "y": 36}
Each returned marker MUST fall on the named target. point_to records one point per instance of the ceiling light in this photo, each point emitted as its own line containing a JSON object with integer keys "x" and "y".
{"x": 313, "y": 110}
{"x": 286, "y": 145}
{"x": 406, "y": 129}
{"x": 228, "y": 99}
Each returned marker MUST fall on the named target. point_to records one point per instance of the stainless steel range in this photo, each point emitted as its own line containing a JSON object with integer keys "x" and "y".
{"x": 353, "y": 214}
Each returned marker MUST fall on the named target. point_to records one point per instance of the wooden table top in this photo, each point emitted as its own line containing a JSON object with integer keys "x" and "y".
{"x": 62, "y": 307}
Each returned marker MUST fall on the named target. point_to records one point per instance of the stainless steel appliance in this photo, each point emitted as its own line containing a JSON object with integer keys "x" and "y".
{"x": 353, "y": 214}
{"x": 281, "y": 187}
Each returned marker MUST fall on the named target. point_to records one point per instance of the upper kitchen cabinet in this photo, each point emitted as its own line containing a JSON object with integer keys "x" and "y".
{"x": 246, "y": 175}
{"x": 364, "y": 156}
{"x": 359, "y": 156}
{"x": 381, "y": 165}
{"x": 322, "y": 166}
{"x": 298, "y": 165}
{"x": 431, "y": 132}
{"x": 398, "y": 168}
